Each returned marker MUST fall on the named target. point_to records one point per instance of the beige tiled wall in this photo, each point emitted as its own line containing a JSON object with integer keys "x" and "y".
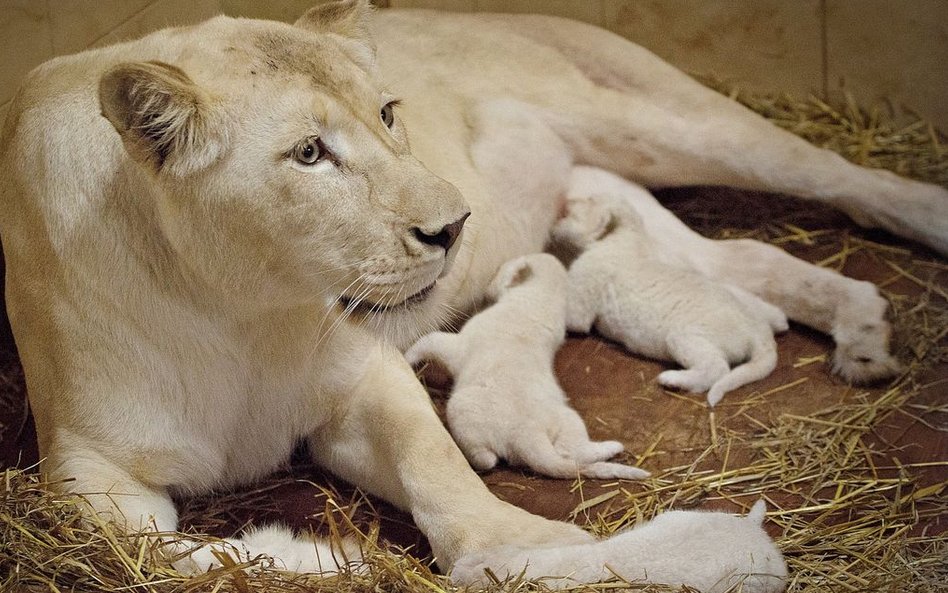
{"x": 766, "y": 44}
{"x": 896, "y": 49}
{"x": 25, "y": 40}
{"x": 280, "y": 10}
{"x": 32, "y": 31}
{"x": 892, "y": 49}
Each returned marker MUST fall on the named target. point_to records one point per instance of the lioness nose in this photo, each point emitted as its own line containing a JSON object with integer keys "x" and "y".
{"x": 445, "y": 237}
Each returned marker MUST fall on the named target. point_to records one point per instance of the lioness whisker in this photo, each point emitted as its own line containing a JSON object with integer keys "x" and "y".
{"x": 330, "y": 308}
{"x": 362, "y": 291}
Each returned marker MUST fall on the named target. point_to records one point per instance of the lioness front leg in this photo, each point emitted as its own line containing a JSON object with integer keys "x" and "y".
{"x": 640, "y": 117}
{"x": 387, "y": 439}
{"x": 852, "y": 311}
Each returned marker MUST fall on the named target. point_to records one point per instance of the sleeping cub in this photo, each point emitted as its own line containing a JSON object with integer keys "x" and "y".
{"x": 660, "y": 311}
{"x": 692, "y": 548}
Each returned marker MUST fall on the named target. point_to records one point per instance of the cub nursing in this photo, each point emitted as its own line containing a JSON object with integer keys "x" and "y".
{"x": 619, "y": 286}
{"x": 506, "y": 402}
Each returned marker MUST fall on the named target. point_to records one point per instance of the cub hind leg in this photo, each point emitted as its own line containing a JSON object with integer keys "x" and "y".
{"x": 704, "y": 363}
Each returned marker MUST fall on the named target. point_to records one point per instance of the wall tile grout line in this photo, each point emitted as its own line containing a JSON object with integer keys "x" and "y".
{"x": 824, "y": 50}
{"x": 49, "y": 28}
{"x": 117, "y": 25}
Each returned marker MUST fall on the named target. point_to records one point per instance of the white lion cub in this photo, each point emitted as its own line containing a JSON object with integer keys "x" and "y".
{"x": 506, "y": 402}
{"x": 708, "y": 551}
{"x": 618, "y": 284}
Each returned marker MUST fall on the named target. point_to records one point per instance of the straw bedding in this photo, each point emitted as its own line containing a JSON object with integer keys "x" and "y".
{"x": 854, "y": 503}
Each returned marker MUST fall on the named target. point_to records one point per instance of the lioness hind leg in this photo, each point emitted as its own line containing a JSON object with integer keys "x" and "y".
{"x": 114, "y": 495}
{"x": 649, "y": 122}
{"x": 852, "y": 311}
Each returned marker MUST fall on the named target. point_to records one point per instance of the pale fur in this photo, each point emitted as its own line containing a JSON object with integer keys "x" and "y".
{"x": 506, "y": 403}
{"x": 852, "y": 311}
{"x": 708, "y": 551}
{"x": 174, "y": 298}
{"x": 285, "y": 552}
{"x": 620, "y": 286}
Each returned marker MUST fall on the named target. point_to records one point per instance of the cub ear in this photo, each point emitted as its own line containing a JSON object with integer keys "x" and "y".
{"x": 348, "y": 19}
{"x": 164, "y": 119}
{"x": 607, "y": 215}
{"x": 513, "y": 273}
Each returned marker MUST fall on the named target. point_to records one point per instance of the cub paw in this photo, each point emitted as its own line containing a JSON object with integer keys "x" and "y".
{"x": 686, "y": 380}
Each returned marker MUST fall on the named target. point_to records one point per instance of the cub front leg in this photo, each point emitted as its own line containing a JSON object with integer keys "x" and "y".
{"x": 385, "y": 437}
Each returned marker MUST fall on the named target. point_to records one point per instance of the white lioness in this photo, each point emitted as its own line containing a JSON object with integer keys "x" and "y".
{"x": 186, "y": 218}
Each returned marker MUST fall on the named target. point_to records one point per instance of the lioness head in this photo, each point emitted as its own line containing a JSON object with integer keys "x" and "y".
{"x": 281, "y": 168}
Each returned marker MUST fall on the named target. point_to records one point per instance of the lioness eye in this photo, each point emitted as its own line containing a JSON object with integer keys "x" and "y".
{"x": 388, "y": 114}
{"x": 309, "y": 151}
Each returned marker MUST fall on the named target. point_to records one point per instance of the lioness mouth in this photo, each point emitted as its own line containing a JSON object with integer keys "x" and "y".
{"x": 366, "y": 306}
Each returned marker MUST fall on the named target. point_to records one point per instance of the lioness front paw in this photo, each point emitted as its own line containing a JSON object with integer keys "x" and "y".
{"x": 472, "y": 569}
{"x": 707, "y": 551}
{"x": 862, "y": 353}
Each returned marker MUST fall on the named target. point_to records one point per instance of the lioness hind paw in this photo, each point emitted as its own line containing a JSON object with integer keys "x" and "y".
{"x": 862, "y": 351}
{"x": 277, "y": 546}
{"x": 864, "y": 368}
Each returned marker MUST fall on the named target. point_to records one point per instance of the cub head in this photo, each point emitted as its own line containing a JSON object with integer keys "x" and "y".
{"x": 280, "y": 170}
{"x": 590, "y": 219}
{"x": 541, "y": 269}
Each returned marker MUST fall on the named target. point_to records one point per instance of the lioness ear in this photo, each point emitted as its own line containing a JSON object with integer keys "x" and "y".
{"x": 348, "y": 19}
{"x": 164, "y": 119}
